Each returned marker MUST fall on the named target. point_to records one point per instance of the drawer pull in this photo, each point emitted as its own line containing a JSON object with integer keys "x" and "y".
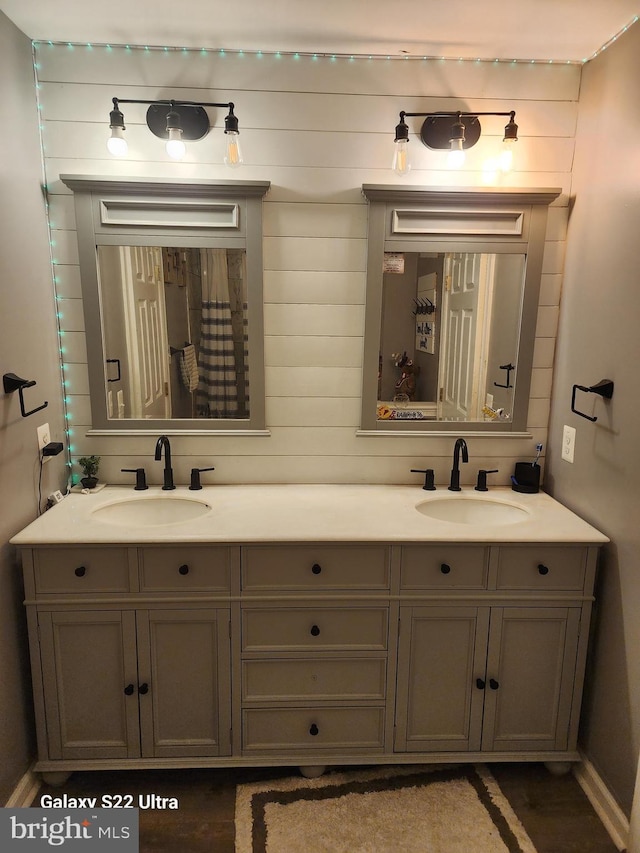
{"x": 493, "y": 684}
{"x": 80, "y": 572}
{"x": 316, "y": 569}
{"x": 314, "y": 730}
{"x": 542, "y": 569}
{"x": 315, "y": 631}
{"x": 445, "y": 568}
{"x": 480, "y": 683}
{"x": 143, "y": 689}
{"x": 184, "y": 569}
{"x": 129, "y": 690}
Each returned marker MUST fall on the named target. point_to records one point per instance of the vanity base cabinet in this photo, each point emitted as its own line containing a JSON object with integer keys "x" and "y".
{"x": 129, "y": 684}
{"x": 496, "y": 679}
{"x": 309, "y": 654}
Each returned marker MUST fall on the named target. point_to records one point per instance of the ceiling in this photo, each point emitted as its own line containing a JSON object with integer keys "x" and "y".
{"x": 491, "y": 29}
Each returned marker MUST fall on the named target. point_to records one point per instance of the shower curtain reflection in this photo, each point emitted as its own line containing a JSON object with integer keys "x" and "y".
{"x": 223, "y": 387}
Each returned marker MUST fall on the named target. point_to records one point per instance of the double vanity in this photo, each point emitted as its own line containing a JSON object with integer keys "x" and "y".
{"x": 306, "y": 625}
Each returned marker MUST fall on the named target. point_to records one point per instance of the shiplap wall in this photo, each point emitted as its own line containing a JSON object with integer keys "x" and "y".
{"x": 317, "y": 128}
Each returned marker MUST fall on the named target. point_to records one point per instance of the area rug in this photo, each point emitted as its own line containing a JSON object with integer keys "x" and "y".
{"x": 416, "y": 809}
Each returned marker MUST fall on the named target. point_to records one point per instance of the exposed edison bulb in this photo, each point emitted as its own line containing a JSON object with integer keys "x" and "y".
{"x": 233, "y": 154}
{"x": 176, "y": 149}
{"x": 401, "y": 164}
{"x": 456, "y": 155}
{"x": 116, "y": 143}
{"x": 505, "y": 160}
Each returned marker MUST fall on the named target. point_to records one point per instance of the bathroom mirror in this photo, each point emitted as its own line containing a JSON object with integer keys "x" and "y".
{"x": 453, "y": 281}
{"x": 171, "y": 277}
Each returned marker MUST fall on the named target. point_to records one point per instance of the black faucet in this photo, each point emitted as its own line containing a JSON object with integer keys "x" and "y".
{"x": 460, "y": 444}
{"x": 163, "y": 441}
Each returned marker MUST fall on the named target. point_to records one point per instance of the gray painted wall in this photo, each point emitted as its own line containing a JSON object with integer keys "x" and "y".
{"x": 599, "y": 338}
{"x": 29, "y": 348}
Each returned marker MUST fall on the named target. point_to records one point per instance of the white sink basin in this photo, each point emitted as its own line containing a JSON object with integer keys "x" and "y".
{"x": 472, "y": 510}
{"x": 152, "y": 510}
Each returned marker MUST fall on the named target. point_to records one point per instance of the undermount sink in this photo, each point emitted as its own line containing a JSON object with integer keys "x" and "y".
{"x": 148, "y": 511}
{"x": 472, "y": 510}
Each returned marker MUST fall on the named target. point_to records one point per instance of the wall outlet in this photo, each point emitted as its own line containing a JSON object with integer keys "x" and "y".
{"x": 44, "y": 437}
{"x": 568, "y": 443}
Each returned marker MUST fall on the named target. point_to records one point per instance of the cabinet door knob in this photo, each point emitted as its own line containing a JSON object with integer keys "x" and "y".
{"x": 143, "y": 689}
{"x": 184, "y": 569}
{"x": 315, "y": 631}
{"x": 542, "y": 569}
{"x": 493, "y": 684}
{"x": 445, "y": 568}
{"x": 81, "y": 571}
{"x": 480, "y": 683}
{"x": 129, "y": 690}
{"x": 314, "y": 730}
{"x": 316, "y": 569}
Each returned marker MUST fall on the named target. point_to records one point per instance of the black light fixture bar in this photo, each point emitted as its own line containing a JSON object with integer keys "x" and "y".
{"x": 455, "y": 131}
{"x": 175, "y": 121}
{"x": 438, "y": 128}
{"x": 194, "y": 121}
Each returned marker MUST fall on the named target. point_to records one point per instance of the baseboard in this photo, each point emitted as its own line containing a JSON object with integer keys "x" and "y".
{"x": 603, "y": 802}
{"x": 25, "y": 791}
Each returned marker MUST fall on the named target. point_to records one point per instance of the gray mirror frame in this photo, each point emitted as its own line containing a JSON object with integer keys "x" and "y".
{"x": 184, "y": 213}
{"x": 440, "y": 219}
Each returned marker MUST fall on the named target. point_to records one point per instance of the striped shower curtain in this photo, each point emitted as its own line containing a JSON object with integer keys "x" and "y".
{"x": 217, "y": 389}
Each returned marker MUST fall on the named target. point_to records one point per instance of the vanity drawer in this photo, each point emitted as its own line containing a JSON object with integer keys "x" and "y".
{"x": 351, "y": 679}
{"x": 308, "y": 728}
{"x": 541, "y": 567}
{"x": 305, "y": 628}
{"x": 444, "y": 567}
{"x": 309, "y": 567}
{"x": 81, "y": 570}
{"x": 184, "y": 568}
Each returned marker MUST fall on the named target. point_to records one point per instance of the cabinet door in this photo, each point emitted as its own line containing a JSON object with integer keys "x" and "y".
{"x": 530, "y": 675}
{"x": 90, "y": 684}
{"x": 184, "y": 670}
{"x": 442, "y": 654}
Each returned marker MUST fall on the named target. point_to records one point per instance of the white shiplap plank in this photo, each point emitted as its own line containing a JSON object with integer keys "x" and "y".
{"x": 67, "y": 281}
{"x": 82, "y": 102}
{"x": 335, "y": 186}
{"x": 347, "y": 150}
{"x": 314, "y": 220}
{"x": 312, "y": 351}
{"x": 313, "y": 381}
{"x": 315, "y": 286}
{"x": 399, "y": 78}
{"x": 314, "y": 253}
{"x": 329, "y": 320}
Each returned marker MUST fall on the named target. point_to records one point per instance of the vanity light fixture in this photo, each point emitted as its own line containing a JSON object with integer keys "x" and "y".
{"x": 175, "y": 121}
{"x": 453, "y": 132}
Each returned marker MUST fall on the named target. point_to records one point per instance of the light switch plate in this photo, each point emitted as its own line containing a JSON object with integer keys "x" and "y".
{"x": 568, "y": 443}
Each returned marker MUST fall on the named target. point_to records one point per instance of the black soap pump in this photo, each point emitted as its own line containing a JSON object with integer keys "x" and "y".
{"x": 526, "y": 476}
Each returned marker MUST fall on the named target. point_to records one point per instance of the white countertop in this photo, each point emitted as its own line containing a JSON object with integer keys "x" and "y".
{"x": 305, "y": 513}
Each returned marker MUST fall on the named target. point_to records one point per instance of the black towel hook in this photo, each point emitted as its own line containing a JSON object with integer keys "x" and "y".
{"x": 604, "y": 388}
{"x": 12, "y": 383}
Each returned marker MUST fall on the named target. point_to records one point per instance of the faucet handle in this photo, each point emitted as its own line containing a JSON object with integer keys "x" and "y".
{"x": 141, "y": 480}
{"x": 429, "y": 484}
{"x": 195, "y": 478}
{"x": 481, "y": 485}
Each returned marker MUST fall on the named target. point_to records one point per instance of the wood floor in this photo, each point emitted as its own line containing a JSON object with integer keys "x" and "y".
{"x": 554, "y": 810}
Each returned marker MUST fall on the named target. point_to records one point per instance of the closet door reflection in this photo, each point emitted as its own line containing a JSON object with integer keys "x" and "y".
{"x": 174, "y": 326}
